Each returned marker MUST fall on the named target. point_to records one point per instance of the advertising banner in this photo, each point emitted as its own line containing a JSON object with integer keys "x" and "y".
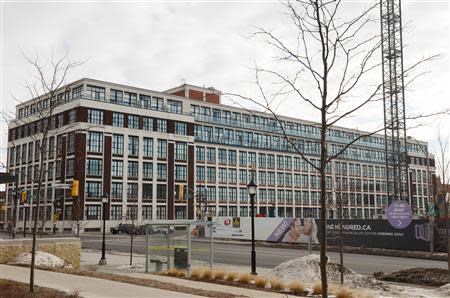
{"x": 371, "y": 233}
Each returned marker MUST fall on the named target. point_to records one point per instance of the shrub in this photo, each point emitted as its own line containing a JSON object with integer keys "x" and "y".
{"x": 277, "y": 284}
{"x": 232, "y": 276}
{"x": 317, "y": 288}
{"x": 246, "y": 278}
{"x": 260, "y": 282}
{"x": 297, "y": 288}
{"x": 207, "y": 274}
{"x": 197, "y": 273}
{"x": 180, "y": 273}
{"x": 219, "y": 274}
{"x": 343, "y": 292}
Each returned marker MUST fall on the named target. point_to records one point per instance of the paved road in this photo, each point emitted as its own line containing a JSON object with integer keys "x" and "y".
{"x": 268, "y": 257}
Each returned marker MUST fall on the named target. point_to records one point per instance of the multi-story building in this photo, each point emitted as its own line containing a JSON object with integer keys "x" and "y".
{"x": 180, "y": 153}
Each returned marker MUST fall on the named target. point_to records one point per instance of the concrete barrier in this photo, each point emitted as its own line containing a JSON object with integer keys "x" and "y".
{"x": 68, "y": 249}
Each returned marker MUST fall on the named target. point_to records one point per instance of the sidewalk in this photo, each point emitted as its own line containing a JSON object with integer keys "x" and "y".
{"x": 115, "y": 259}
{"x": 84, "y": 286}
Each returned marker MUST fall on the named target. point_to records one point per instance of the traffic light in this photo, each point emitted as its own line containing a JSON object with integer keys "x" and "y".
{"x": 74, "y": 190}
{"x": 24, "y": 197}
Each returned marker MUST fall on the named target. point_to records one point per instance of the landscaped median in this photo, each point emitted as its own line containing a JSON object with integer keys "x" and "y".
{"x": 68, "y": 249}
{"x": 13, "y": 289}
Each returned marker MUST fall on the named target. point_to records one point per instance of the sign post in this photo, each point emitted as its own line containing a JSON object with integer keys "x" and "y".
{"x": 399, "y": 214}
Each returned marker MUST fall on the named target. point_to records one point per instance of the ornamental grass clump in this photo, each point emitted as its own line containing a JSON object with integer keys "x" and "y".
{"x": 277, "y": 284}
{"x": 246, "y": 278}
{"x": 261, "y": 282}
{"x": 297, "y": 288}
{"x": 231, "y": 276}
{"x": 207, "y": 274}
{"x": 219, "y": 274}
{"x": 197, "y": 273}
{"x": 317, "y": 288}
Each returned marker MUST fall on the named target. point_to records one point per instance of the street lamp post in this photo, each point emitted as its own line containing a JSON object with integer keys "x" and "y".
{"x": 105, "y": 199}
{"x": 25, "y": 205}
{"x": 252, "y": 192}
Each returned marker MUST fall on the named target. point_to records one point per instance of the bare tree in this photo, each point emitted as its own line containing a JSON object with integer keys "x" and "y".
{"x": 49, "y": 82}
{"x": 331, "y": 66}
{"x": 443, "y": 171}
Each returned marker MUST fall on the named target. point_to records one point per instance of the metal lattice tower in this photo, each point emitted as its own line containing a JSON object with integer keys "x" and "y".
{"x": 394, "y": 100}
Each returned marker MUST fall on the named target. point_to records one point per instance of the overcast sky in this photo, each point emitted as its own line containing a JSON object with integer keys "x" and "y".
{"x": 158, "y": 45}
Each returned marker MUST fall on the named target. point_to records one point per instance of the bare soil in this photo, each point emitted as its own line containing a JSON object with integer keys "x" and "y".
{"x": 434, "y": 277}
{"x": 13, "y": 289}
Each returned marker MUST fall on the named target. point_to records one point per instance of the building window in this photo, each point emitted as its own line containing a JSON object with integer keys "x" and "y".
{"x": 70, "y": 143}
{"x": 133, "y": 121}
{"x": 180, "y": 128}
{"x": 174, "y": 106}
{"x": 161, "y": 125}
{"x": 180, "y": 151}
{"x": 157, "y": 103}
{"x": 161, "y": 212}
{"x": 95, "y": 141}
{"x": 117, "y": 120}
{"x": 145, "y": 101}
{"x": 222, "y": 156}
{"x": 211, "y": 155}
{"x": 200, "y": 153}
{"x": 96, "y": 93}
{"x": 211, "y": 174}
{"x": 116, "y": 190}
{"x": 117, "y": 144}
{"x": 133, "y": 169}
{"x": 132, "y": 191}
{"x": 94, "y": 167}
{"x": 69, "y": 167}
{"x": 146, "y": 212}
{"x": 148, "y": 147}
{"x": 162, "y": 149}
{"x": 148, "y": 123}
{"x": 93, "y": 212}
{"x": 147, "y": 191}
{"x": 161, "y": 171}
{"x": 161, "y": 193}
{"x": 148, "y": 170}
{"x": 231, "y": 157}
{"x": 116, "y": 96}
{"x": 180, "y": 173}
{"x": 116, "y": 212}
{"x": 72, "y": 117}
{"x": 94, "y": 189}
{"x": 133, "y": 145}
{"x": 130, "y": 99}
{"x": 76, "y": 92}
{"x": 200, "y": 173}
{"x": 117, "y": 168}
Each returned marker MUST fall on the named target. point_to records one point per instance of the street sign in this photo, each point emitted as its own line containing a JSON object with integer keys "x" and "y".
{"x": 399, "y": 214}
{"x": 60, "y": 185}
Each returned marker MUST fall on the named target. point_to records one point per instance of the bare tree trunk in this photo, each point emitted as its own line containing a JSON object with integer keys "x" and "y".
{"x": 323, "y": 211}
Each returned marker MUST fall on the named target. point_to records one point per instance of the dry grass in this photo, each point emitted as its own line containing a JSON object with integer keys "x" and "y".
{"x": 277, "y": 284}
{"x": 297, "y": 288}
{"x": 246, "y": 278}
{"x": 365, "y": 294}
{"x": 261, "y": 282}
{"x": 219, "y": 274}
{"x": 207, "y": 274}
{"x": 344, "y": 292}
{"x": 232, "y": 276}
{"x": 317, "y": 288}
{"x": 12, "y": 289}
{"x": 197, "y": 273}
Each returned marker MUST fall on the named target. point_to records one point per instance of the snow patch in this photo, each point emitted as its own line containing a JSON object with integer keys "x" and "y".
{"x": 307, "y": 269}
{"x": 41, "y": 259}
{"x": 128, "y": 267}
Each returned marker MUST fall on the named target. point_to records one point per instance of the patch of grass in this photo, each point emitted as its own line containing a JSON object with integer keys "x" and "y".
{"x": 317, "y": 288}
{"x": 261, "y": 282}
{"x": 246, "y": 278}
{"x": 231, "y": 276}
{"x": 344, "y": 292}
{"x": 297, "y": 288}
{"x": 13, "y": 289}
{"x": 219, "y": 274}
{"x": 277, "y": 284}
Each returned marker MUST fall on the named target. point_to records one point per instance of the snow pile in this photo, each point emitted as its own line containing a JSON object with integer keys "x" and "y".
{"x": 444, "y": 290}
{"x": 41, "y": 259}
{"x": 137, "y": 267}
{"x": 307, "y": 269}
